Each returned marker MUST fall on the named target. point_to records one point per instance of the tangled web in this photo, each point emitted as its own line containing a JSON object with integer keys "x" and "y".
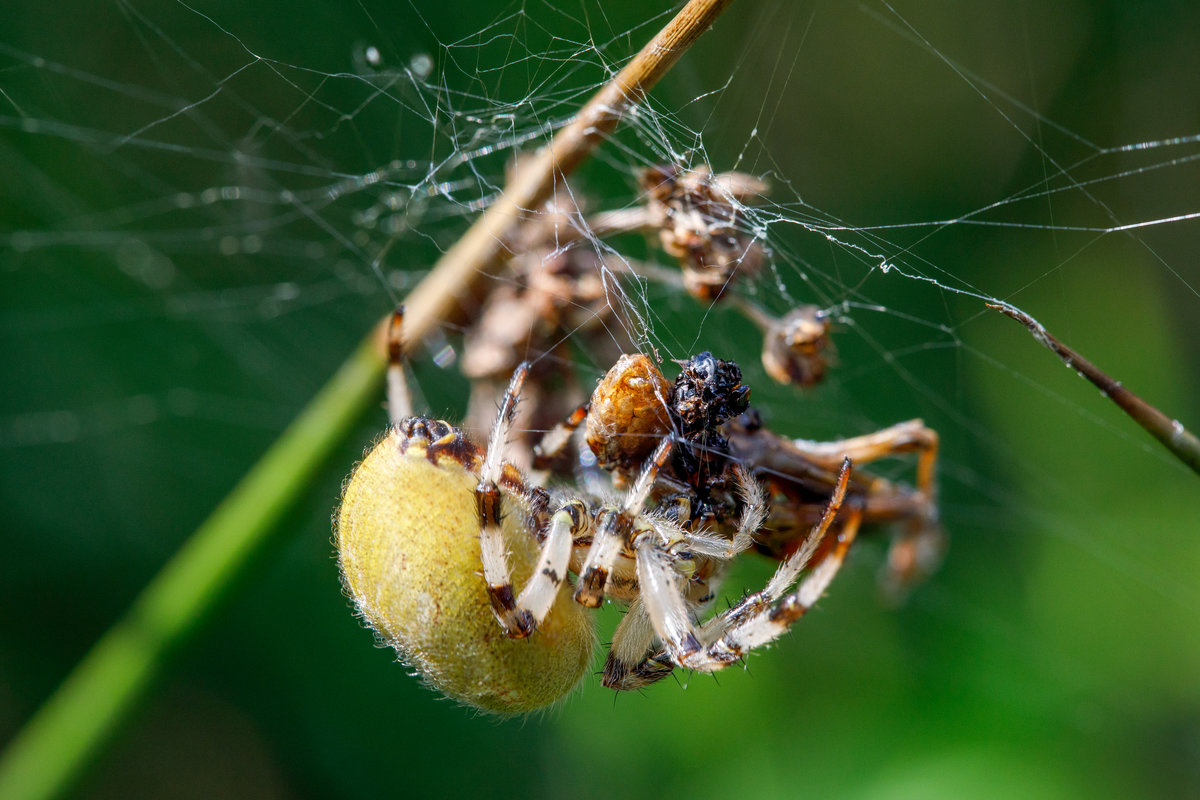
{"x": 206, "y": 208}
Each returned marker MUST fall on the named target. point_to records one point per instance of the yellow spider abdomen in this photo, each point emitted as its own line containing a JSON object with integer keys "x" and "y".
{"x": 408, "y": 547}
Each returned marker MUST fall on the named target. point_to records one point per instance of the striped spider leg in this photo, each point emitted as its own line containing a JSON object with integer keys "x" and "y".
{"x": 519, "y": 615}
{"x": 797, "y": 469}
{"x": 664, "y": 606}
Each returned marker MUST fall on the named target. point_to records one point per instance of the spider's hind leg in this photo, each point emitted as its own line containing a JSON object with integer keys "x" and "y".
{"x": 632, "y": 662}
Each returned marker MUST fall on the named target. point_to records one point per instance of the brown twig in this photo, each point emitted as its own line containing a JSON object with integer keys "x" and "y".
{"x": 484, "y": 249}
{"x": 1176, "y": 438}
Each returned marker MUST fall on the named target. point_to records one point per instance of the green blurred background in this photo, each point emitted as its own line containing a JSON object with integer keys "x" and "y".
{"x": 156, "y": 337}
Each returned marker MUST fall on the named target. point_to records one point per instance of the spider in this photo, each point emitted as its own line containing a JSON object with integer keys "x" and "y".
{"x": 426, "y": 509}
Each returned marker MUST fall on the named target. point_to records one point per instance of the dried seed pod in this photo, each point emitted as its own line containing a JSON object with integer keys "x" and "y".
{"x": 700, "y": 223}
{"x": 628, "y": 413}
{"x": 796, "y": 347}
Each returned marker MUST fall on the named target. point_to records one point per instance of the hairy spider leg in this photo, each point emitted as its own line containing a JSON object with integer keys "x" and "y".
{"x": 541, "y": 590}
{"x": 519, "y": 615}
{"x": 772, "y": 622}
{"x": 488, "y": 498}
{"x": 633, "y": 661}
{"x": 612, "y": 527}
{"x": 627, "y": 666}
{"x": 754, "y": 513}
{"x": 550, "y": 449}
{"x": 761, "y": 617}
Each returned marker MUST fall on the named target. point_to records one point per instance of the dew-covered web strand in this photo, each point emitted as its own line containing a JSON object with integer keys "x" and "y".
{"x": 1063, "y": 171}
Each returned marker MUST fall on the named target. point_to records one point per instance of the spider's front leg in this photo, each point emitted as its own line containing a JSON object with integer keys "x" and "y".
{"x": 761, "y": 617}
{"x": 635, "y": 660}
{"x": 520, "y": 615}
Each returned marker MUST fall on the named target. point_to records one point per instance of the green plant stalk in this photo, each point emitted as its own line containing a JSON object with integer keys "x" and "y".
{"x": 96, "y": 698}
{"x": 1182, "y": 443}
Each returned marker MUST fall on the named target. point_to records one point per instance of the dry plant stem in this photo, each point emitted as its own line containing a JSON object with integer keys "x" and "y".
{"x": 50, "y": 752}
{"x": 1176, "y": 438}
{"x": 484, "y": 249}
{"x": 760, "y": 318}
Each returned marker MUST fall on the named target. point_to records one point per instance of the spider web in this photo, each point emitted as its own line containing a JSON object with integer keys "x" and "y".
{"x": 206, "y": 207}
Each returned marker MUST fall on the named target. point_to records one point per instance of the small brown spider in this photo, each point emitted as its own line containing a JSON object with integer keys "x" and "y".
{"x": 426, "y": 508}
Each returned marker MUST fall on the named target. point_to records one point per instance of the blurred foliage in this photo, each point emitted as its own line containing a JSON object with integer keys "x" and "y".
{"x": 150, "y": 359}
